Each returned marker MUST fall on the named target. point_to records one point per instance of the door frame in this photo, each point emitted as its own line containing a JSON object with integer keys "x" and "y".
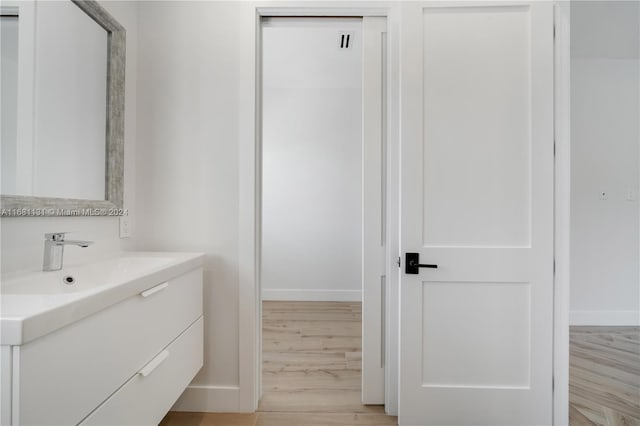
{"x": 562, "y": 213}
{"x": 249, "y": 173}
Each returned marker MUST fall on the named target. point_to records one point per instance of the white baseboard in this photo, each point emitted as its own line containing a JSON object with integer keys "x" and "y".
{"x": 209, "y": 399}
{"x": 312, "y": 295}
{"x": 604, "y": 318}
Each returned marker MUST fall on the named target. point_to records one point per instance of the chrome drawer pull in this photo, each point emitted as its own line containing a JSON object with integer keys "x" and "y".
{"x": 155, "y": 289}
{"x": 154, "y": 363}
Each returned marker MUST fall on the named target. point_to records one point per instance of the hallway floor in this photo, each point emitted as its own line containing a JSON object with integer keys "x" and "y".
{"x": 604, "y": 376}
{"x": 311, "y": 360}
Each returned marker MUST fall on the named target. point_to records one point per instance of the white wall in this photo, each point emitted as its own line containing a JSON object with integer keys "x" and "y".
{"x": 23, "y": 238}
{"x": 187, "y": 168}
{"x": 312, "y": 160}
{"x": 605, "y": 127}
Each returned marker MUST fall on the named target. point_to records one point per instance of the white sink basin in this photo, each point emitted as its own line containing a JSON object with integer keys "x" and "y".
{"x": 36, "y": 303}
{"x": 88, "y": 277}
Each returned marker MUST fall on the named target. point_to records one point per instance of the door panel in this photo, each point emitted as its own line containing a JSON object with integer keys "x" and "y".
{"x": 462, "y": 357}
{"x": 477, "y": 200}
{"x": 476, "y": 126}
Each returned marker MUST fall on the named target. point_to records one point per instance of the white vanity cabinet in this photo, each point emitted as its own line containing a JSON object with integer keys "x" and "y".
{"x": 124, "y": 365}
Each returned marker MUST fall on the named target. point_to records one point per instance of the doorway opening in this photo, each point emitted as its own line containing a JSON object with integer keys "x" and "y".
{"x": 317, "y": 224}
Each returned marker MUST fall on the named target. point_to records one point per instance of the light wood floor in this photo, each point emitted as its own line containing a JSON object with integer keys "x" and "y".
{"x": 311, "y": 370}
{"x": 604, "y": 376}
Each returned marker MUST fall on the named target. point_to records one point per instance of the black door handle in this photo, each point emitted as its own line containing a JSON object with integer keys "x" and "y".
{"x": 413, "y": 265}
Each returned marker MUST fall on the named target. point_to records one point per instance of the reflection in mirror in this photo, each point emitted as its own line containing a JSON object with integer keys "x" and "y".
{"x": 63, "y": 69}
{"x": 9, "y": 96}
{"x": 69, "y": 127}
{"x": 70, "y": 99}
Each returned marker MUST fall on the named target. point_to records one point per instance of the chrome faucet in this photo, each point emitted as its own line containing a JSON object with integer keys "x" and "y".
{"x": 54, "y": 250}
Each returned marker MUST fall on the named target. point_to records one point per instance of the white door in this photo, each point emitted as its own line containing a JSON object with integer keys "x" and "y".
{"x": 477, "y": 200}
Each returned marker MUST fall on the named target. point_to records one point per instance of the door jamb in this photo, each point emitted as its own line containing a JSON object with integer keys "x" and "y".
{"x": 562, "y": 228}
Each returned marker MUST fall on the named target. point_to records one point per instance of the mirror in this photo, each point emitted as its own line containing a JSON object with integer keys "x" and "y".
{"x": 62, "y": 86}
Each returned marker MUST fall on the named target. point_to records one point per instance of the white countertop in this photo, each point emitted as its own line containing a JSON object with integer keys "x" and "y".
{"x": 33, "y": 304}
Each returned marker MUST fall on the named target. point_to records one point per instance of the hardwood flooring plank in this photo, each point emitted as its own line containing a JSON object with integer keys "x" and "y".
{"x": 607, "y": 399}
{"x": 607, "y": 355}
{"x": 273, "y": 305}
{"x": 347, "y": 316}
{"x": 183, "y": 418}
{"x": 354, "y": 360}
{"x": 599, "y": 329}
{"x": 613, "y": 373}
{"x": 327, "y": 329}
{"x": 630, "y": 336}
{"x": 324, "y": 419}
{"x": 317, "y": 400}
{"x": 591, "y": 411}
{"x": 576, "y": 418}
{"x": 604, "y": 374}
{"x": 304, "y": 361}
{"x": 312, "y": 343}
{"x": 618, "y": 419}
{"x": 317, "y": 379}
{"x": 277, "y": 367}
{"x": 604, "y": 385}
{"x": 615, "y": 342}
{"x": 621, "y": 360}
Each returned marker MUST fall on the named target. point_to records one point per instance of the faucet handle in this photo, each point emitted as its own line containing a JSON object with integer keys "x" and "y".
{"x": 55, "y": 236}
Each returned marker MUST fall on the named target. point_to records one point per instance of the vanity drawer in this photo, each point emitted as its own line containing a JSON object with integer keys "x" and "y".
{"x": 148, "y": 396}
{"x": 88, "y": 360}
